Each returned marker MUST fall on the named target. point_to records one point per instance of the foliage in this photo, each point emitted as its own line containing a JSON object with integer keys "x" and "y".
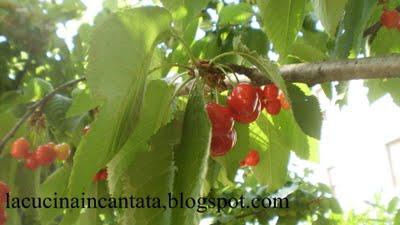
{"x": 144, "y": 95}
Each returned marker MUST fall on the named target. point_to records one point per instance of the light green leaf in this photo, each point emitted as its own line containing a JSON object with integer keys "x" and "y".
{"x": 291, "y": 134}
{"x": 235, "y": 14}
{"x": 155, "y": 108}
{"x": 36, "y": 88}
{"x": 329, "y": 13}
{"x": 397, "y": 218}
{"x": 385, "y": 42}
{"x": 119, "y": 59}
{"x": 82, "y": 102}
{"x": 378, "y": 88}
{"x": 183, "y": 11}
{"x": 274, "y": 153}
{"x": 307, "y": 53}
{"x": 192, "y": 155}
{"x": 392, "y": 206}
{"x": 282, "y": 19}
{"x": 55, "y": 183}
{"x": 351, "y": 30}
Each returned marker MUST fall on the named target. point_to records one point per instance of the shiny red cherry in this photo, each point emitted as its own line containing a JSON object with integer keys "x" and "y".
{"x": 20, "y": 148}
{"x": 221, "y": 144}
{"x": 243, "y": 100}
{"x": 271, "y": 92}
{"x": 273, "y": 107}
{"x": 252, "y": 159}
{"x": 45, "y": 155}
{"x": 221, "y": 118}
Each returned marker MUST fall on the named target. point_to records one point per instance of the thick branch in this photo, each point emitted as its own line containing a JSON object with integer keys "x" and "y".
{"x": 341, "y": 70}
{"x": 33, "y": 108}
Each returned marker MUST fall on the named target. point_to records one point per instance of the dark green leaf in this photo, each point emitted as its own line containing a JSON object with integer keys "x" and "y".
{"x": 306, "y": 111}
{"x": 356, "y": 16}
{"x": 192, "y": 155}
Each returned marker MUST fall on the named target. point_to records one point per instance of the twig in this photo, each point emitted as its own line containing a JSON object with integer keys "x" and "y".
{"x": 33, "y": 108}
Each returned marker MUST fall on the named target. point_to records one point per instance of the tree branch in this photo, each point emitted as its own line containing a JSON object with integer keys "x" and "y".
{"x": 33, "y": 108}
{"x": 308, "y": 73}
{"x": 321, "y": 72}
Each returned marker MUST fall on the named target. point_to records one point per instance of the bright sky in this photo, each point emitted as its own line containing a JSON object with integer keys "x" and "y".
{"x": 353, "y": 140}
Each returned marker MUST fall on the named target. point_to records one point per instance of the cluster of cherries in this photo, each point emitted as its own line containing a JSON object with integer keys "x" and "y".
{"x": 390, "y": 19}
{"x": 4, "y": 189}
{"x": 244, "y": 105}
{"x": 44, "y": 155}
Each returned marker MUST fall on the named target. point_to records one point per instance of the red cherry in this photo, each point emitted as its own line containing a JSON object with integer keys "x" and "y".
{"x": 20, "y": 148}
{"x": 221, "y": 118}
{"x": 243, "y": 100}
{"x": 45, "y": 155}
{"x": 101, "y": 175}
{"x": 252, "y": 159}
{"x": 250, "y": 117}
{"x": 273, "y": 107}
{"x": 261, "y": 97}
{"x": 390, "y": 18}
{"x": 270, "y": 92}
{"x": 31, "y": 162}
{"x": 221, "y": 144}
{"x": 3, "y": 217}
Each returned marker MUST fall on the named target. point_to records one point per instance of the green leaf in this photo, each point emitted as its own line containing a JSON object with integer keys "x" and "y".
{"x": 392, "y": 206}
{"x": 36, "y": 88}
{"x": 231, "y": 160}
{"x": 329, "y": 13}
{"x": 274, "y": 153}
{"x": 235, "y": 14}
{"x": 352, "y": 27}
{"x": 307, "y": 53}
{"x": 397, "y": 218}
{"x": 386, "y": 42}
{"x": 255, "y": 40}
{"x": 282, "y": 19}
{"x": 379, "y": 88}
{"x": 55, "y": 109}
{"x": 155, "y": 108}
{"x": 306, "y": 111}
{"x": 291, "y": 134}
{"x": 152, "y": 174}
{"x": 55, "y": 183}
{"x": 192, "y": 155}
{"x": 82, "y": 102}
{"x": 119, "y": 59}
{"x": 183, "y": 11}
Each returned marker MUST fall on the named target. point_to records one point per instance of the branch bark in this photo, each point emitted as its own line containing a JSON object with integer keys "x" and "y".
{"x": 328, "y": 71}
{"x": 33, "y": 108}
